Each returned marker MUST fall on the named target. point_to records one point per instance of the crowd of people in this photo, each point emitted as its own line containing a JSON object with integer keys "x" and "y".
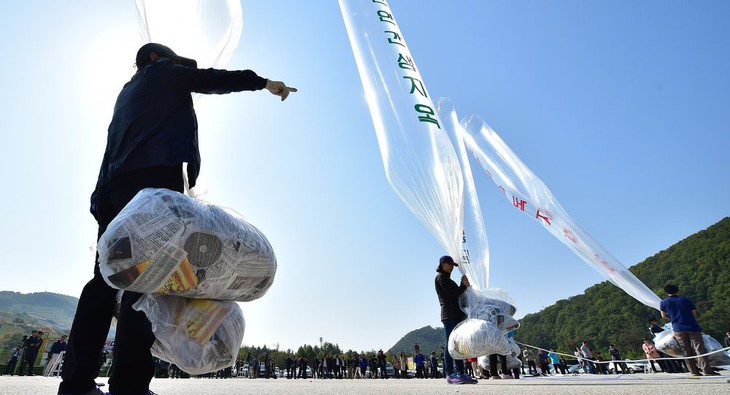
{"x": 27, "y": 352}
{"x": 534, "y": 361}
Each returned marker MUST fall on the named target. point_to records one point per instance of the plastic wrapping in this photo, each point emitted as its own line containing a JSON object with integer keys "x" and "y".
{"x": 527, "y": 193}
{"x": 197, "y": 335}
{"x": 418, "y": 158}
{"x": 164, "y": 242}
{"x": 512, "y": 360}
{"x": 490, "y": 314}
{"x": 666, "y": 343}
{"x": 208, "y": 31}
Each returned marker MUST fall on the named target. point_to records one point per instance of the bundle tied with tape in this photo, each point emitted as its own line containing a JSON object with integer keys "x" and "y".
{"x": 164, "y": 242}
{"x": 192, "y": 260}
{"x": 489, "y": 318}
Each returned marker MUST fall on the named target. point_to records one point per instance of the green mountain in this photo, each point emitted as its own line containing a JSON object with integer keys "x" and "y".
{"x": 428, "y": 339}
{"x": 699, "y": 264}
{"x": 22, "y": 313}
{"x": 54, "y": 309}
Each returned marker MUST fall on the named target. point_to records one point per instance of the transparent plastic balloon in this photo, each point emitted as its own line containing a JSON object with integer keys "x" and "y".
{"x": 207, "y": 31}
{"x": 419, "y": 160}
{"x": 474, "y": 260}
{"x": 204, "y": 30}
{"x": 527, "y": 193}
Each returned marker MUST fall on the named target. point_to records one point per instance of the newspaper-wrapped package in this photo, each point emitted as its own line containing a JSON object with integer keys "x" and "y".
{"x": 164, "y": 242}
{"x": 490, "y": 318}
{"x": 666, "y": 343}
{"x": 198, "y": 335}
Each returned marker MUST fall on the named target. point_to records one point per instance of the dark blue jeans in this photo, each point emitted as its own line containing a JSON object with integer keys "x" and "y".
{"x": 449, "y": 362}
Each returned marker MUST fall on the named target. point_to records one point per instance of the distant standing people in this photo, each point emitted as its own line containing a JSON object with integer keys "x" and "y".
{"x": 555, "y": 359}
{"x": 727, "y": 339}
{"x": 54, "y": 355}
{"x": 616, "y": 358}
{"x": 32, "y": 347}
{"x": 651, "y": 354}
{"x": 544, "y": 362}
{"x": 433, "y": 365}
{"x": 403, "y": 365}
{"x": 585, "y": 352}
{"x": 396, "y": 366}
{"x": 420, "y": 362}
{"x": 12, "y": 361}
{"x": 601, "y": 365}
{"x": 682, "y": 313}
{"x": 363, "y": 366}
{"x": 530, "y": 358}
{"x": 451, "y": 315}
{"x": 382, "y": 363}
{"x": 673, "y": 365}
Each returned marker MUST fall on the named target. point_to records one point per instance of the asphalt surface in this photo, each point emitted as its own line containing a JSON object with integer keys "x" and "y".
{"x": 649, "y": 384}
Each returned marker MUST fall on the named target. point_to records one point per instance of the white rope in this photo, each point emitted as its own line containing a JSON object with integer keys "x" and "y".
{"x": 625, "y": 360}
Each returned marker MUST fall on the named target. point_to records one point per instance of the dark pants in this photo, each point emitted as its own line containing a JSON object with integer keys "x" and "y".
{"x": 693, "y": 345}
{"x": 11, "y": 365}
{"x": 451, "y": 365}
{"x": 132, "y": 363}
{"x": 498, "y": 363}
{"x": 30, "y": 357}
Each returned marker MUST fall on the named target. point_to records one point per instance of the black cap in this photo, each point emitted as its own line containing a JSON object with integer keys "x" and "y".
{"x": 143, "y": 55}
{"x": 447, "y": 259}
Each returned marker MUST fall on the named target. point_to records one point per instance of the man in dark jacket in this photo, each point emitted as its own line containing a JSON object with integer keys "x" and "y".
{"x": 32, "y": 347}
{"x": 54, "y": 354}
{"x": 152, "y": 133}
{"x": 451, "y": 315}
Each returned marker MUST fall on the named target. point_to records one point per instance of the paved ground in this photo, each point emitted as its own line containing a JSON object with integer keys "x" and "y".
{"x": 649, "y": 384}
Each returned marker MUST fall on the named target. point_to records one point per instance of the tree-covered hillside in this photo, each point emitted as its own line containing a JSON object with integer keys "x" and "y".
{"x": 428, "y": 339}
{"x": 49, "y": 306}
{"x": 699, "y": 264}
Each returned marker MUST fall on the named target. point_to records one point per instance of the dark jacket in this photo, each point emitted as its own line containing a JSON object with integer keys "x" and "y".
{"x": 57, "y": 347}
{"x": 154, "y": 122}
{"x": 448, "y": 293}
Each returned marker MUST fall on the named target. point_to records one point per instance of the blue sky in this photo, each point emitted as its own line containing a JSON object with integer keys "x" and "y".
{"x": 620, "y": 107}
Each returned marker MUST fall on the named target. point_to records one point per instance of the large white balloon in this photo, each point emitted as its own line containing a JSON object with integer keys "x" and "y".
{"x": 207, "y": 31}
{"x": 527, "y": 193}
{"x": 419, "y": 160}
{"x": 475, "y": 247}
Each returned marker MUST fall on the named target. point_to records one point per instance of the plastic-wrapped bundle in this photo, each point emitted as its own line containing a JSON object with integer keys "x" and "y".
{"x": 512, "y": 360}
{"x": 666, "y": 343}
{"x": 491, "y": 304}
{"x": 164, "y": 242}
{"x": 197, "y": 335}
{"x": 490, "y": 318}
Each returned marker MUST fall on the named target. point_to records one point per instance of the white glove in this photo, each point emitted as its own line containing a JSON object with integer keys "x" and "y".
{"x": 278, "y": 88}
